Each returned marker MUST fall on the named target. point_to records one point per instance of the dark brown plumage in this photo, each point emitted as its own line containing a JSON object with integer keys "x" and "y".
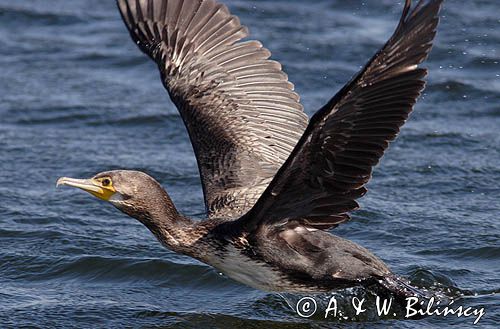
{"x": 271, "y": 185}
{"x": 333, "y": 161}
{"x": 239, "y": 108}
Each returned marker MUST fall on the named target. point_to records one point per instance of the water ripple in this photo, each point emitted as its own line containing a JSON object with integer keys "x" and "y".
{"x": 78, "y": 98}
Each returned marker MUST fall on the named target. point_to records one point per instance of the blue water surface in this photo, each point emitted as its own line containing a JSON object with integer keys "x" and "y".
{"x": 77, "y": 97}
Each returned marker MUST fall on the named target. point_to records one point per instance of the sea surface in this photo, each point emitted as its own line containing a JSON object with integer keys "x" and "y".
{"x": 77, "y": 97}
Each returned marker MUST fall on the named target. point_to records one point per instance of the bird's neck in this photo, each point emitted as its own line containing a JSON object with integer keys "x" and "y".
{"x": 171, "y": 228}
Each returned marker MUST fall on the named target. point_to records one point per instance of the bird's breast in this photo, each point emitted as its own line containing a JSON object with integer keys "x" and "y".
{"x": 238, "y": 265}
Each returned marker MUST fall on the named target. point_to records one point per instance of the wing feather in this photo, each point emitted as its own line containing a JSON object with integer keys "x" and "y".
{"x": 327, "y": 171}
{"x": 242, "y": 114}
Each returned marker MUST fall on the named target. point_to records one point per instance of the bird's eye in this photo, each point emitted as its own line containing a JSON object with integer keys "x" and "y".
{"x": 106, "y": 182}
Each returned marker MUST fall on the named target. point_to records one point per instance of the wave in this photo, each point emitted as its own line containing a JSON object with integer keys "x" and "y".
{"x": 108, "y": 269}
{"x": 22, "y": 16}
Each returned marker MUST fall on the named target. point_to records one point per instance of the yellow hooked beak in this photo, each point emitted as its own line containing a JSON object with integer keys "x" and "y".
{"x": 93, "y": 186}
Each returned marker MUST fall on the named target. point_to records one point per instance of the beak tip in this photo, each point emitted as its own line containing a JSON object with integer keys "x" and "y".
{"x": 60, "y": 182}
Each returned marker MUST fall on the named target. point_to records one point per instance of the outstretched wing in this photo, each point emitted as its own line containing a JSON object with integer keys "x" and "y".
{"x": 242, "y": 114}
{"x": 328, "y": 169}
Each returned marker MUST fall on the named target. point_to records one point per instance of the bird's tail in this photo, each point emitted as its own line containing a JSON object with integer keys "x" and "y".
{"x": 404, "y": 294}
{"x": 402, "y": 288}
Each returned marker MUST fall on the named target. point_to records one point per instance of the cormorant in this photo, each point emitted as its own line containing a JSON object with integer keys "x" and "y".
{"x": 273, "y": 182}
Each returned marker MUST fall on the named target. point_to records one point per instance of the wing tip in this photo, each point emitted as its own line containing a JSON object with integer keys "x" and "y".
{"x": 430, "y": 7}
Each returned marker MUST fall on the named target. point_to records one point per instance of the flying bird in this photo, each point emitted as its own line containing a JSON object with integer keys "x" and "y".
{"x": 274, "y": 182}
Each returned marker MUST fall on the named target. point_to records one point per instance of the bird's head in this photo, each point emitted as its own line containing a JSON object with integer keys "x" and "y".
{"x": 133, "y": 192}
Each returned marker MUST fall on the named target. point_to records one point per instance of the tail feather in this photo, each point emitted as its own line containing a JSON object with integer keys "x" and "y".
{"x": 401, "y": 287}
